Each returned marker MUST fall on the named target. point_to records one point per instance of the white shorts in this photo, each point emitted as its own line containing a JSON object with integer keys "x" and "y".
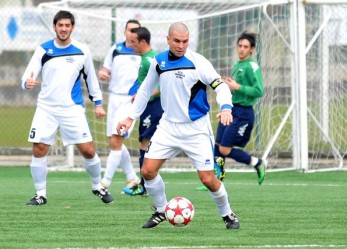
{"x": 72, "y": 124}
{"x": 118, "y": 110}
{"x": 195, "y": 139}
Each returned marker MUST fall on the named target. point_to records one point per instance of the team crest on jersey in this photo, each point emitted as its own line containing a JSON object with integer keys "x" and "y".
{"x": 179, "y": 75}
{"x": 133, "y": 58}
{"x": 70, "y": 59}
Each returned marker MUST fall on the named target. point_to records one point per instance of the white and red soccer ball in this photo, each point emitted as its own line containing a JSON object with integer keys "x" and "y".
{"x": 179, "y": 211}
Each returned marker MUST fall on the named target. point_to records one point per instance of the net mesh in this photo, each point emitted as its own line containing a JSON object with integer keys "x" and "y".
{"x": 214, "y": 27}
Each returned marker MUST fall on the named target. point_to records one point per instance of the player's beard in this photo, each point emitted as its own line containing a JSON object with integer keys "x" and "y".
{"x": 63, "y": 38}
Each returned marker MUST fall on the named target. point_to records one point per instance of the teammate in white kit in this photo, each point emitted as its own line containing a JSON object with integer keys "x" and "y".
{"x": 121, "y": 67}
{"x": 63, "y": 63}
{"x": 183, "y": 76}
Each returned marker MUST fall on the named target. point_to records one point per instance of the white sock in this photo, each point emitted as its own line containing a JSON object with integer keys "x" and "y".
{"x": 112, "y": 164}
{"x": 93, "y": 167}
{"x": 156, "y": 190}
{"x": 254, "y": 161}
{"x": 220, "y": 197}
{"x": 39, "y": 171}
{"x": 127, "y": 165}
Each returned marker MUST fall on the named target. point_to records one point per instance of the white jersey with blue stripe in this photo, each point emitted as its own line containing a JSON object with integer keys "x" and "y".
{"x": 183, "y": 84}
{"x": 62, "y": 70}
{"x": 124, "y": 64}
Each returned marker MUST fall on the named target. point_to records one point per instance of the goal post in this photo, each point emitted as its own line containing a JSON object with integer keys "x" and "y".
{"x": 301, "y": 49}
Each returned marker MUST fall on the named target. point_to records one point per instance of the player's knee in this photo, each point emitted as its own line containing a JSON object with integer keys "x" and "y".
{"x": 40, "y": 150}
{"x": 225, "y": 151}
{"x": 88, "y": 152}
{"x": 145, "y": 173}
{"x": 208, "y": 179}
{"x": 148, "y": 173}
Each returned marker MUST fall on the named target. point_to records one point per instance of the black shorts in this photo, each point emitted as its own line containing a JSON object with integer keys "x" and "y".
{"x": 150, "y": 119}
{"x": 238, "y": 133}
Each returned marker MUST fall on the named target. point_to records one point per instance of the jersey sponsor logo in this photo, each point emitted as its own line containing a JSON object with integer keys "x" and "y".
{"x": 50, "y": 51}
{"x": 242, "y": 130}
{"x": 179, "y": 75}
{"x": 70, "y": 59}
{"x": 162, "y": 64}
{"x": 134, "y": 58}
{"x": 207, "y": 162}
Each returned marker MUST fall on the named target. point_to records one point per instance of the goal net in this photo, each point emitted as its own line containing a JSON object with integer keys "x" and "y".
{"x": 214, "y": 28}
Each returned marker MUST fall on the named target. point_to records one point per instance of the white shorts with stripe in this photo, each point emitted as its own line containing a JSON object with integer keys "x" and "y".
{"x": 71, "y": 122}
{"x": 195, "y": 139}
{"x": 118, "y": 110}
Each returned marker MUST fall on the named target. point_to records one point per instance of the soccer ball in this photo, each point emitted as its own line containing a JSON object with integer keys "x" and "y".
{"x": 179, "y": 211}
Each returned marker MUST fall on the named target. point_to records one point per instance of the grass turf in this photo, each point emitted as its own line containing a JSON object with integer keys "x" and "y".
{"x": 290, "y": 210}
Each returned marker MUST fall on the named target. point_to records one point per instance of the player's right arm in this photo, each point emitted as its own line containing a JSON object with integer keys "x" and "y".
{"x": 33, "y": 70}
{"x": 104, "y": 74}
{"x": 124, "y": 125}
{"x": 143, "y": 94}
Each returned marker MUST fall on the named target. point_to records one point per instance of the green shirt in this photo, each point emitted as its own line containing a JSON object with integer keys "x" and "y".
{"x": 146, "y": 60}
{"x": 247, "y": 73}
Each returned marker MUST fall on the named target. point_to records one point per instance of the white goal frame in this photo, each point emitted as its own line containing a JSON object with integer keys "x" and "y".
{"x": 298, "y": 110}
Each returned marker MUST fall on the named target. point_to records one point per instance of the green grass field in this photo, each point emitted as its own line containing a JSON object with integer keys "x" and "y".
{"x": 290, "y": 210}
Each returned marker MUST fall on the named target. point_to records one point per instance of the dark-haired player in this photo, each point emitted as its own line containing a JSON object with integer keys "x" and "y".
{"x": 141, "y": 42}
{"x": 121, "y": 65}
{"x": 63, "y": 64}
{"x": 246, "y": 85}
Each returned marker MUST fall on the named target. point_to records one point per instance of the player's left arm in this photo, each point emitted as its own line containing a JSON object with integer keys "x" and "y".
{"x": 223, "y": 95}
{"x": 224, "y": 100}
{"x": 94, "y": 90}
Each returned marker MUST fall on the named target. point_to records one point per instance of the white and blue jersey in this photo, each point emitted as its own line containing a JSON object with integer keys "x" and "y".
{"x": 60, "y": 103}
{"x": 62, "y": 71}
{"x": 124, "y": 64}
{"x": 183, "y": 82}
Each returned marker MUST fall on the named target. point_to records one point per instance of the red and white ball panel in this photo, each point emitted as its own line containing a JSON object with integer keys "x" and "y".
{"x": 179, "y": 211}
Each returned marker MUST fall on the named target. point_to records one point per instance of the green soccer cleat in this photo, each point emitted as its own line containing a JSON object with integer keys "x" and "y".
{"x": 202, "y": 188}
{"x": 219, "y": 168}
{"x": 261, "y": 171}
{"x": 137, "y": 190}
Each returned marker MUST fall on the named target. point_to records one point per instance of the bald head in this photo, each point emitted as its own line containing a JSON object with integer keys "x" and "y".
{"x": 178, "y": 27}
{"x": 178, "y": 39}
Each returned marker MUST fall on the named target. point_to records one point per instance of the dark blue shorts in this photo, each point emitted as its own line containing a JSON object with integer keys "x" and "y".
{"x": 238, "y": 133}
{"x": 150, "y": 119}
